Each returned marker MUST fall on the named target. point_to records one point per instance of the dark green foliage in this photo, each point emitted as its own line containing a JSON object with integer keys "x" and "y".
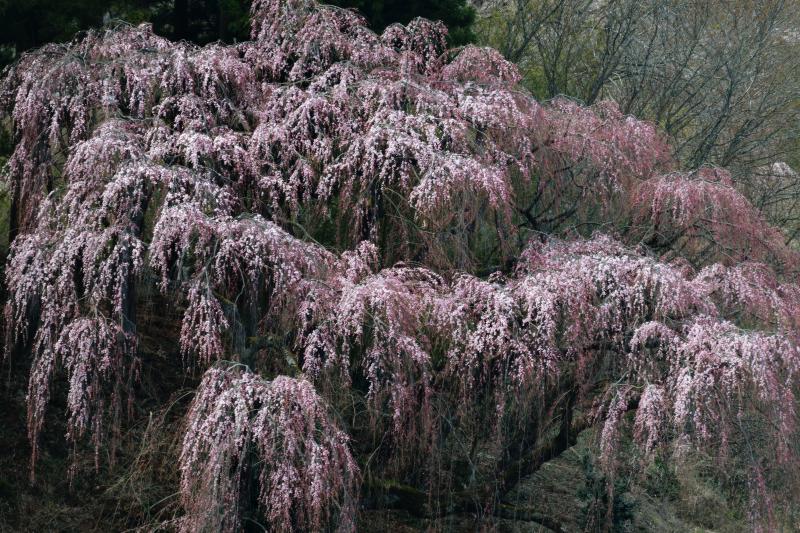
{"x": 26, "y": 24}
{"x": 660, "y": 479}
{"x": 199, "y": 21}
{"x": 458, "y": 15}
{"x": 609, "y": 505}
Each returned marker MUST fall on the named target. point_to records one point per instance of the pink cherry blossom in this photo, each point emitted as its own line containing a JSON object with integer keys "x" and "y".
{"x": 390, "y": 245}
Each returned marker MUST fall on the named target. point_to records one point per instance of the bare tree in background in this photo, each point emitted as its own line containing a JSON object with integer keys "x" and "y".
{"x": 721, "y": 78}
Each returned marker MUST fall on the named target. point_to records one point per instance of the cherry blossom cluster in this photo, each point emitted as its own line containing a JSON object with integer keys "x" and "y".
{"x": 95, "y": 353}
{"x": 505, "y": 335}
{"x": 566, "y": 299}
{"x": 241, "y": 261}
{"x": 61, "y": 90}
{"x": 703, "y": 212}
{"x": 706, "y": 374}
{"x": 612, "y": 421}
{"x": 237, "y": 423}
{"x": 618, "y": 147}
{"x": 56, "y": 287}
{"x": 380, "y": 322}
{"x": 366, "y": 202}
{"x": 752, "y": 293}
{"x": 581, "y": 301}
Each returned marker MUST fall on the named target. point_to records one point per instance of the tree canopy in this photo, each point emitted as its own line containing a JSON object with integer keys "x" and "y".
{"x": 721, "y": 79}
{"x": 389, "y": 277}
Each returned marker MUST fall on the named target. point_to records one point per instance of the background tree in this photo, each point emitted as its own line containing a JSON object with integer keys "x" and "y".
{"x": 457, "y": 15}
{"x": 720, "y": 78}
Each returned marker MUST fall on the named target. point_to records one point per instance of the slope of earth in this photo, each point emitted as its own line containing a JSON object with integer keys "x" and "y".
{"x": 562, "y": 495}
